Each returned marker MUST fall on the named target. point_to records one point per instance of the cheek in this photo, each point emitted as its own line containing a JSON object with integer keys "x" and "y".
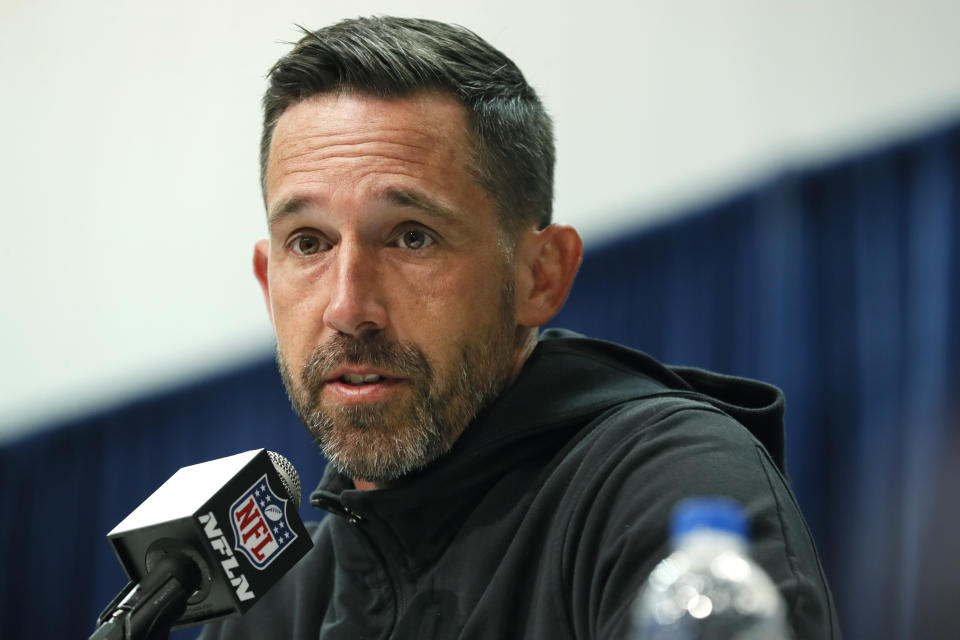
{"x": 297, "y": 320}
{"x": 451, "y": 303}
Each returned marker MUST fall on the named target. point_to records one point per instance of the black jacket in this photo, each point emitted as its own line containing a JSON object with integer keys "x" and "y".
{"x": 549, "y": 512}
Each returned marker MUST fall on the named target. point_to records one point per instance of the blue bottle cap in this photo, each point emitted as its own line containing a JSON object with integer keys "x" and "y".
{"x": 721, "y": 514}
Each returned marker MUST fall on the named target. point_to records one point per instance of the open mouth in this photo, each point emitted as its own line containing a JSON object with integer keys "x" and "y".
{"x": 360, "y": 379}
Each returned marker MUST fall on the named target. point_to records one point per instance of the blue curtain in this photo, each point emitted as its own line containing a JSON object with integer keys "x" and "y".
{"x": 836, "y": 283}
{"x": 64, "y": 489}
{"x": 840, "y": 285}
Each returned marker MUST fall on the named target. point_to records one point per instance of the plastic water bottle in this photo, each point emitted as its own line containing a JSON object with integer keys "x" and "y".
{"x": 709, "y": 588}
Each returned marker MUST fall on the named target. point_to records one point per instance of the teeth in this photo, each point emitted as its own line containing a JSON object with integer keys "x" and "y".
{"x": 360, "y": 378}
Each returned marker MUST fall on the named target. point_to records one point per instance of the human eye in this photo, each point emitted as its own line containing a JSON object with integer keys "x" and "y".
{"x": 414, "y": 239}
{"x": 307, "y": 244}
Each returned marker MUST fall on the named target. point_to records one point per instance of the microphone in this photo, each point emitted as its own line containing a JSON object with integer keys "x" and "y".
{"x": 207, "y": 544}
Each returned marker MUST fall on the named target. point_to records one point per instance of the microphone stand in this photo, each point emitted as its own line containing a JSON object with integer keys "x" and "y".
{"x": 146, "y": 610}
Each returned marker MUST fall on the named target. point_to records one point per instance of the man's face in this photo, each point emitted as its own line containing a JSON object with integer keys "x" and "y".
{"x": 389, "y": 287}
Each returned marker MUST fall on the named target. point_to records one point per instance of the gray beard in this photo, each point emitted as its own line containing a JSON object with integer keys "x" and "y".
{"x": 381, "y": 443}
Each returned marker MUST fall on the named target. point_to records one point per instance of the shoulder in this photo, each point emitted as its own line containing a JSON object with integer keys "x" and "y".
{"x": 640, "y": 458}
{"x": 671, "y": 428}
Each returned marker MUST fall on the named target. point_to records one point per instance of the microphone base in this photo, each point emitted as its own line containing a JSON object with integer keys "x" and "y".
{"x": 147, "y": 610}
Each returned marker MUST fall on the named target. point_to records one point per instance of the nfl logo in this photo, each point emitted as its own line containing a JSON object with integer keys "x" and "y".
{"x": 260, "y": 527}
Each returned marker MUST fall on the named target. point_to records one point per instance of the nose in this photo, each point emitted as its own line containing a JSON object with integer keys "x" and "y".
{"x": 356, "y": 303}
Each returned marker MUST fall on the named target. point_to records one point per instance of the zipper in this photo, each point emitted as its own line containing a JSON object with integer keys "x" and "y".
{"x": 399, "y": 597}
{"x": 354, "y": 519}
{"x": 336, "y": 507}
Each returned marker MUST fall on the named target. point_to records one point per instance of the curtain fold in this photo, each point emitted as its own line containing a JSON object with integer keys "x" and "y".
{"x": 839, "y": 284}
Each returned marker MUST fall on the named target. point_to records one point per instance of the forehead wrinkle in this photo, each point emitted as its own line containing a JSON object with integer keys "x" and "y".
{"x": 320, "y": 141}
{"x": 362, "y": 170}
{"x": 316, "y": 156}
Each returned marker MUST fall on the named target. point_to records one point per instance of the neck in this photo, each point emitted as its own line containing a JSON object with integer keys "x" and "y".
{"x": 363, "y": 485}
{"x": 526, "y": 342}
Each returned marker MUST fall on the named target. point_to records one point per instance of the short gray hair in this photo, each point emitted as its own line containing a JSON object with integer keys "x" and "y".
{"x": 390, "y": 57}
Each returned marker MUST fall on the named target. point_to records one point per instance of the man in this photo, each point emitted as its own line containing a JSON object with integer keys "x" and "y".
{"x": 482, "y": 483}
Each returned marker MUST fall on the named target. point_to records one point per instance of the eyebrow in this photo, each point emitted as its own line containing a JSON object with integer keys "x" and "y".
{"x": 286, "y": 208}
{"x": 422, "y": 202}
{"x": 394, "y": 195}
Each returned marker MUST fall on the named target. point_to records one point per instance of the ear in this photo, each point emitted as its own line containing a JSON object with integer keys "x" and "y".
{"x": 261, "y": 257}
{"x": 547, "y": 262}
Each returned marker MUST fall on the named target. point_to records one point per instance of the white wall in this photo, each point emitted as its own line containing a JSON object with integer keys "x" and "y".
{"x": 129, "y": 166}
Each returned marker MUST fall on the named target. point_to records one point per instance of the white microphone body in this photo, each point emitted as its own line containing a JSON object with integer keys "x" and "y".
{"x": 235, "y": 517}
